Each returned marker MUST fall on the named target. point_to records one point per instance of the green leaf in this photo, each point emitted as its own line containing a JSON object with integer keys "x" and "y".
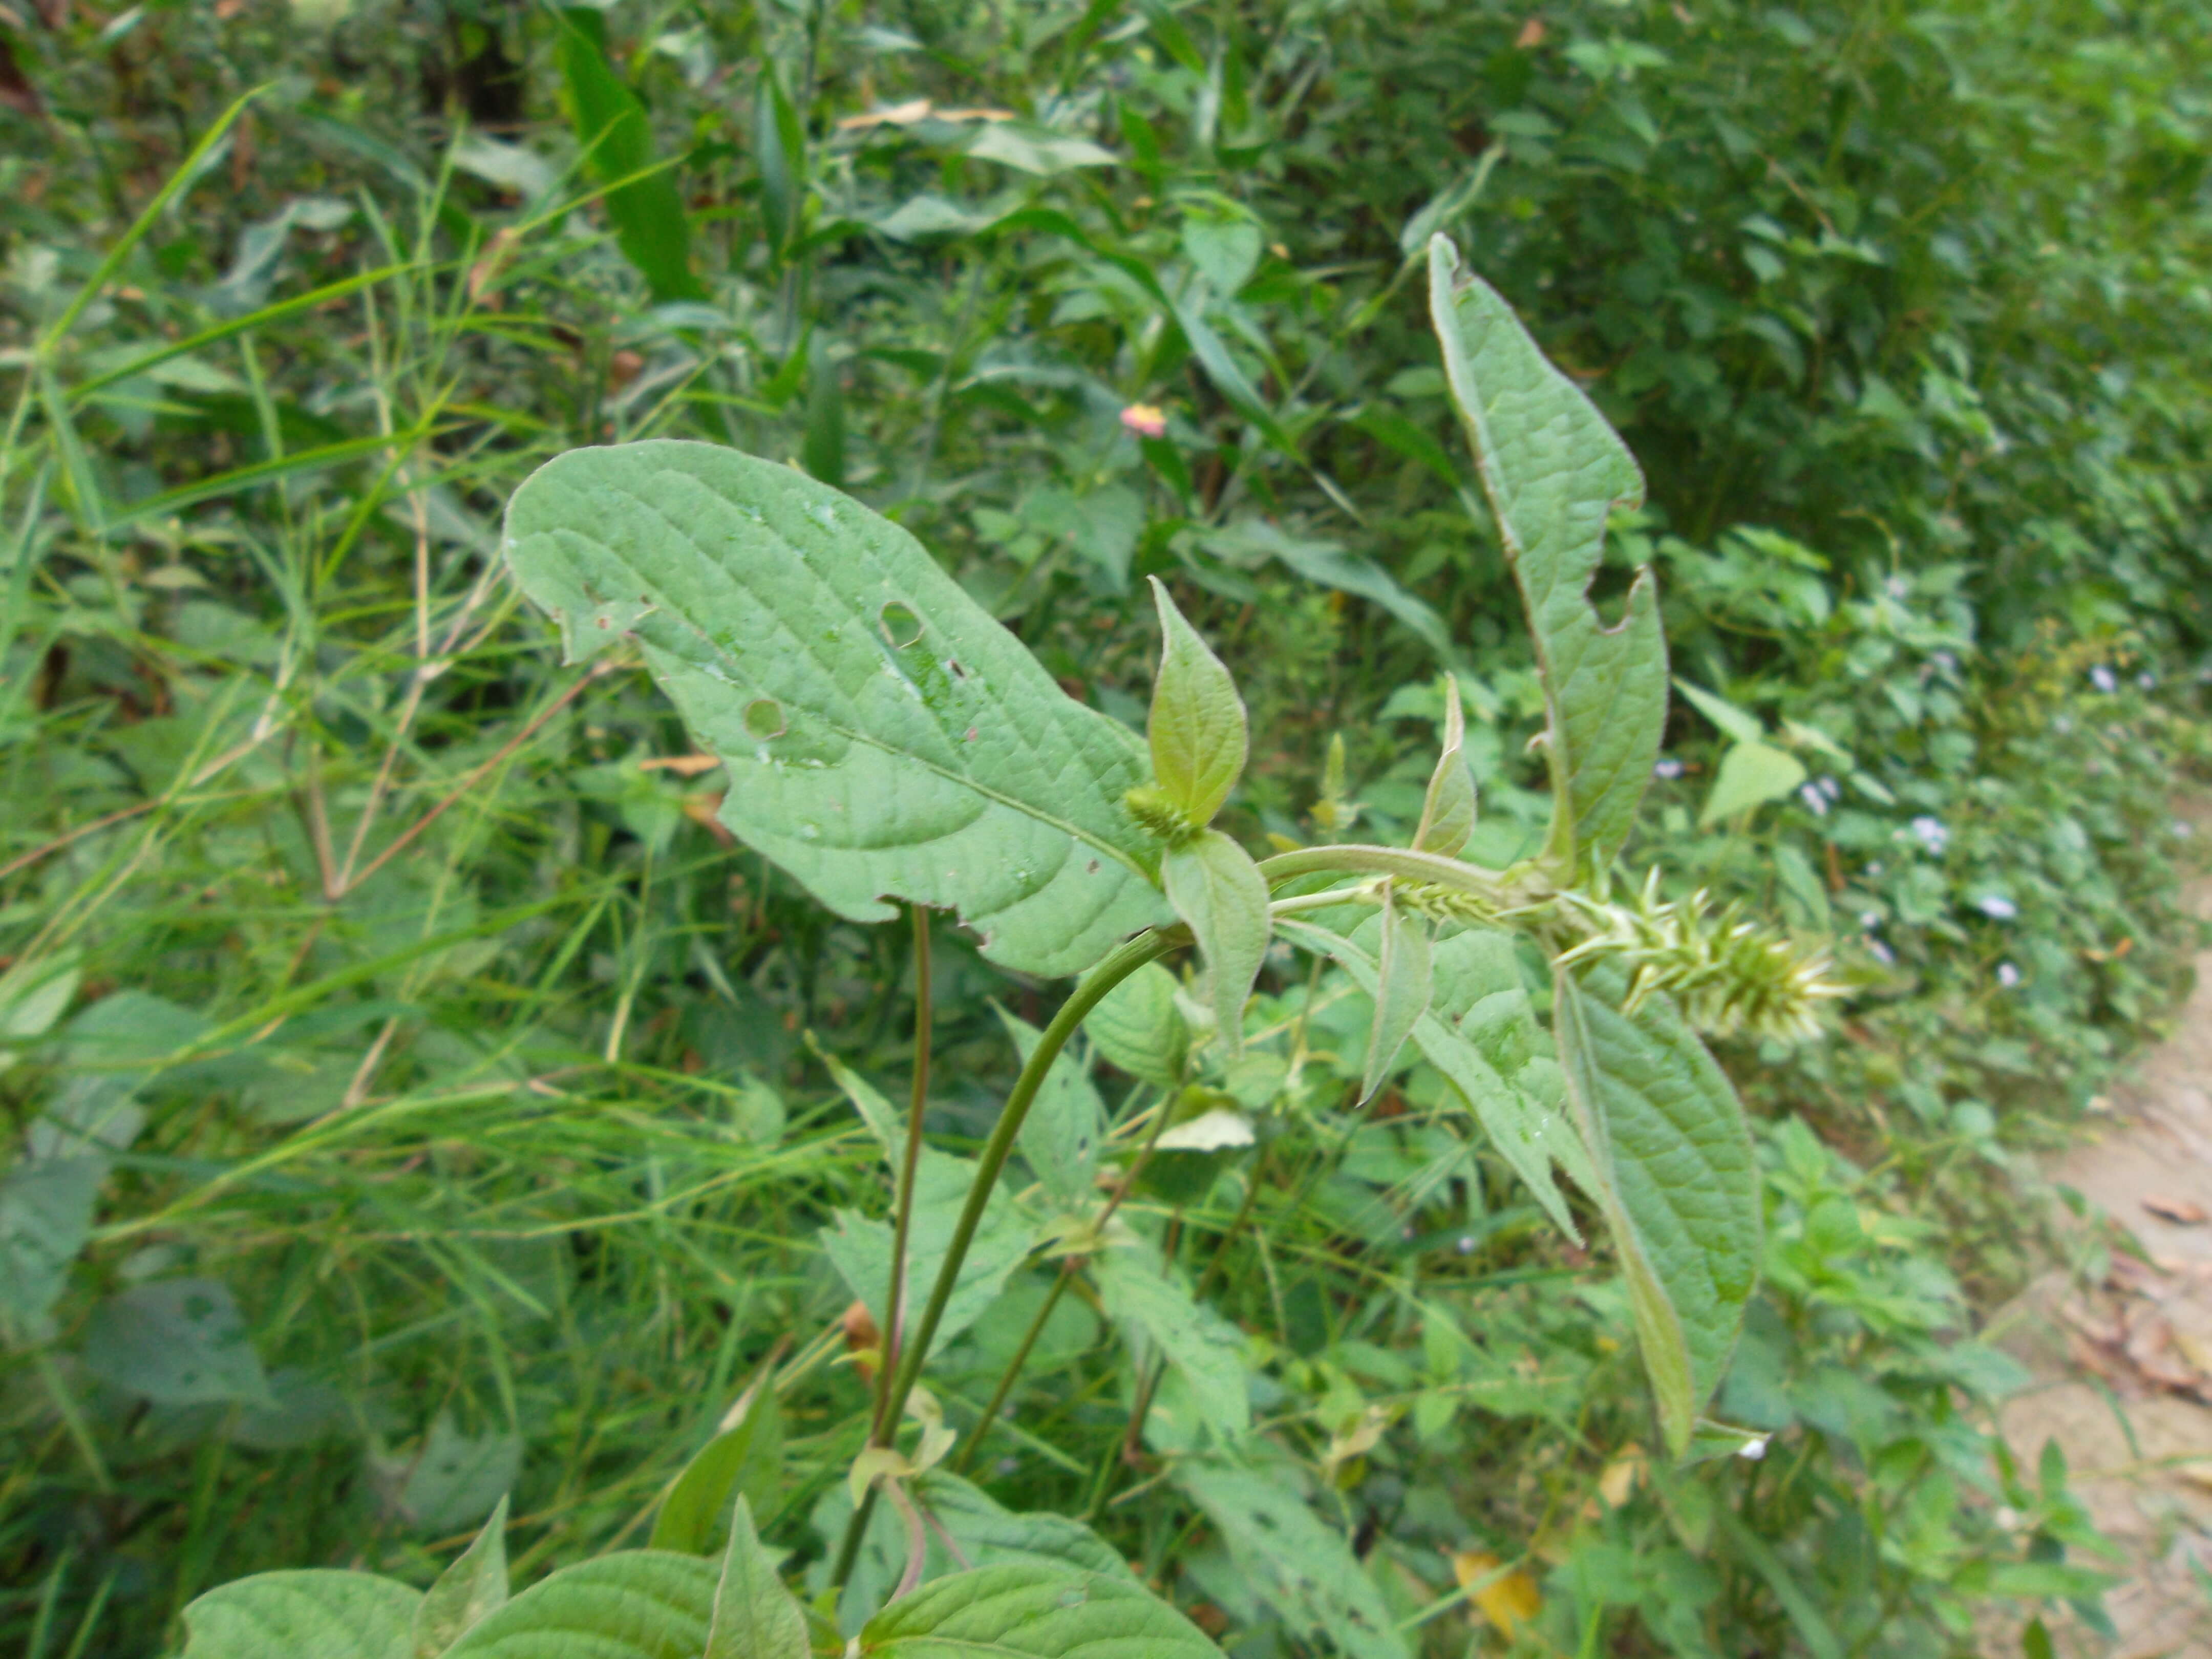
{"x": 1197, "y": 730}
{"x": 611, "y": 124}
{"x": 176, "y": 1342}
{"x": 635, "y": 1604}
{"x": 1751, "y": 774}
{"x": 1302, "y": 1570}
{"x": 744, "y": 1455}
{"x": 1061, "y": 1136}
{"x": 861, "y": 1249}
{"x": 1219, "y": 892}
{"x": 1206, "y": 1351}
{"x": 1034, "y": 1610}
{"x": 303, "y": 1615}
{"x": 459, "y": 1478}
{"x": 1228, "y": 378}
{"x": 883, "y": 736}
{"x": 1138, "y": 1027}
{"x": 1225, "y": 247}
{"x": 823, "y": 449}
{"x": 473, "y": 1587}
{"x": 1402, "y": 987}
{"x": 1676, "y": 1180}
{"x": 1732, "y": 720}
{"x": 1529, "y": 1128}
{"x": 779, "y": 150}
{"x": 1448, "y": 811}
{"x": 986, "y": 1532}
{"x": 34, "y": 995}
{"x": 1330, "y": 565}
{"x": 1032, "y": 148}
{"x": 755, "y": 1616}
{"x": 1553, "y": 470}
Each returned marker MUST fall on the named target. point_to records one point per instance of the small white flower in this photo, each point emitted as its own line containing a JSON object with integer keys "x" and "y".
{"x": 1869, "y": 920}
{"x": 1831, "y": 789}
{"x": 2008, "y": 975}
{"x": 1815, "y": 802}
{"x": 2147, "y": 679}
{"x": 1897, "y": 587}
{"x": 1881, "y": 952}
{"x": 1996, "y": 907}
{"x": 1931, "y": 833}
{"x": 1874, "y": 868}
{"x": 1753, "y": 1450}
{"x": 2184, "y": 829}
{"x": 2101, "y": 678}
{"x": 1465, "y": 1245}
{"x": 1669, "y": 767}
{"x": 2008, "y": 1518}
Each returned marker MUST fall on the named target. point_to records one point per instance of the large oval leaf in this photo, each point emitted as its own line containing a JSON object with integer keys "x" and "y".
{"x": 635, "y": 1604}
{"x": 304, "y": 1615}
{"x": 1676, "y": 1178}
{"x": 884, "y": 736}
{"x": 1032, "y": 1609}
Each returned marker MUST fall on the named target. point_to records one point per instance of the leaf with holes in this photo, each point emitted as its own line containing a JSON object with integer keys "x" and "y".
{"x": 883, "y": 737}
{"x": 1036, "y": 1611}
{"x": 1553, "y": 470}
{"x": 1675, "y": 1178}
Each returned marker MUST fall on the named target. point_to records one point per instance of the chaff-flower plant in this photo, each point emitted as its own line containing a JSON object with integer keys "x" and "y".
{"x": 889, "y": 743}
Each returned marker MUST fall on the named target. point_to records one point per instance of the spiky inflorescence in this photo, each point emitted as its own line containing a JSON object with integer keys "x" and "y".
{"x": 1727, "y": 974}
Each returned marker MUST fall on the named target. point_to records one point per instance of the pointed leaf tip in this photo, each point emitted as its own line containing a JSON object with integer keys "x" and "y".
{"x": 1198, "y": 730}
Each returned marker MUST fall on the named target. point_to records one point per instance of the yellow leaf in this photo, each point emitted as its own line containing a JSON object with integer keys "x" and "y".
{"x": 1620, "y": 1475}
{"x": 1505, "y": 1599}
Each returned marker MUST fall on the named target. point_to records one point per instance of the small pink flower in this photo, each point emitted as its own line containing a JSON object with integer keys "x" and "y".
{"x": 1146, "y": 420}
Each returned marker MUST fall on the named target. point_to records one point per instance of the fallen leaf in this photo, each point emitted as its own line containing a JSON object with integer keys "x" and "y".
{"x": 2181, "y": 1212}
{"x": 1622, "y": 1475}
{"x": 1531, "y": 36}
{"x": 1505, "y": 1599}
{"x": 684, "y": 766}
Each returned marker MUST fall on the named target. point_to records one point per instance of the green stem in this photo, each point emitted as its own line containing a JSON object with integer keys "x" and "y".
{"x": 880, "y": 1431}
{"x": 1433, "y": 868}
{"x": 1067, "y": 1270}
{"x": 1148, "y": 946}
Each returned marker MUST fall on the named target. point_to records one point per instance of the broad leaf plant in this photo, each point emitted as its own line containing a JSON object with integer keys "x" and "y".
{"x": 887, "y": 743}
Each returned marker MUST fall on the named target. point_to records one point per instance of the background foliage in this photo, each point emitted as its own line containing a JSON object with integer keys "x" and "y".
{"x": 496, "y": 1151}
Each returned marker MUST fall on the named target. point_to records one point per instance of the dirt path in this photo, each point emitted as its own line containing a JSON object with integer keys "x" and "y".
{"x": 2124, "y": 1368}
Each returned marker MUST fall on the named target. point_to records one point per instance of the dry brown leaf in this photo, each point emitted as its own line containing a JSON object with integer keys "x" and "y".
{"x": 2181, "y": 1212}
{"x": 1505, "y": 1599}
{"x": 1622, "y": 1475}
{"x": 684, "y": 766}
{"x": 1531, "y": 36}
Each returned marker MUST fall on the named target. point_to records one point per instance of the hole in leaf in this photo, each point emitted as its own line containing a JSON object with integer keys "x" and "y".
{"x": 764, "y": 718}
{"x": 901, "y": 626}
{"x": 1608, "y": 591}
